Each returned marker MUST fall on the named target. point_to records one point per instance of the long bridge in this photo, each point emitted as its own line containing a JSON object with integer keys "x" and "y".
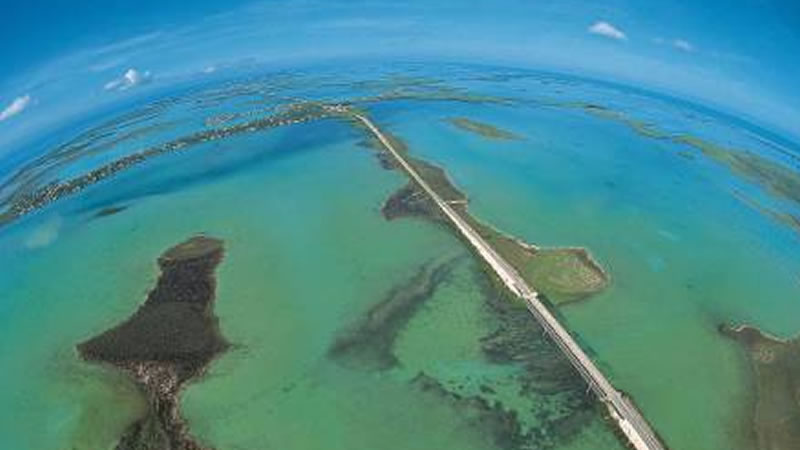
{"x": 627, "y": 417}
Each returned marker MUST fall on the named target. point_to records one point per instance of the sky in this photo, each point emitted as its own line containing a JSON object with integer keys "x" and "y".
{"x": 60, "y": 60}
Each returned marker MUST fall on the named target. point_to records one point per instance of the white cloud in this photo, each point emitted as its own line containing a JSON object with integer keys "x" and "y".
{"x": 129, "y": 79}
{"x": 678, "y": 43}
{"x": 606, "y": 29}
{"x": 682, "y": 44}
{"x": 17, "y": 106}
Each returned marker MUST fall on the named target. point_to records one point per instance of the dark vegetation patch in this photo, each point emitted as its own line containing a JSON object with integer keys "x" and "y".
{"x": 552, "y": 392}
{"x": 519, "y": 339}
{"x": 483, "y": 129}
{"x": 411, "y": 201}
{"x": 503, "y": 426}
{"x": 168, "y": 341}
{"x": 109, "y": 211}
{"x": 368, "y": 343}
{"x": 386, "y": 160}
{"x": 776, "y": 368}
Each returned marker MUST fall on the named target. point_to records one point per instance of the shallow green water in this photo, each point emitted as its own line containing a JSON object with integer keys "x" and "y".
{"x": 307, "y": 252}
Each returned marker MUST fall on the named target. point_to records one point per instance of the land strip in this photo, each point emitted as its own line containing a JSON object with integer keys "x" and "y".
{"x": 170, "y": 340}
{"x": 483, "y": 129}
{"x": 775, "y": 364}
{"x": 628, "y": 418}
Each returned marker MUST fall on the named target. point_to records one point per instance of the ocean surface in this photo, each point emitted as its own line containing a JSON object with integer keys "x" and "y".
{"x": 308, "y": 253}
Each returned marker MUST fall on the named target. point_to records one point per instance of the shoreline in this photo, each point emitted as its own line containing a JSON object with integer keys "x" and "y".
{"x": 534, "y": 263}
{"x": 774, "y": 367}
{"x": 169, "y": 341}
{"x": 745, "y": 328}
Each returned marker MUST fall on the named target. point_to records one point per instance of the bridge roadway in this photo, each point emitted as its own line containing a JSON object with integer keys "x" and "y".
{"x": 626, "y": 415}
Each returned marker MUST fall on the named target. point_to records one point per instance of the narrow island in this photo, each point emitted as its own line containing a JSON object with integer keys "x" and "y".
{"x": 775, "y": 365}
{"x": 109, "y": 211}
{"x": 786, "y": 219}
{"x": 483, "y": 129}
{"x": 169, "y": 341}
{"x": 562, "y": 274}
{"x": 512, "y": 341}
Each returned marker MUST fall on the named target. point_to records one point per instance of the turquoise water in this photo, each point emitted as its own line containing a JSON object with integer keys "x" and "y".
{"x": 308, "y": 253}
{"x": 683, "y": 254}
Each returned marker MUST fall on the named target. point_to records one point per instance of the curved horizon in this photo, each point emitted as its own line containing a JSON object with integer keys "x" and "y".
{"x": 670, "y": 50}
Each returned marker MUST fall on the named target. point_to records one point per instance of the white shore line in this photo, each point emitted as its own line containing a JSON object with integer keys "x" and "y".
{"x": 741, "y": 327}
